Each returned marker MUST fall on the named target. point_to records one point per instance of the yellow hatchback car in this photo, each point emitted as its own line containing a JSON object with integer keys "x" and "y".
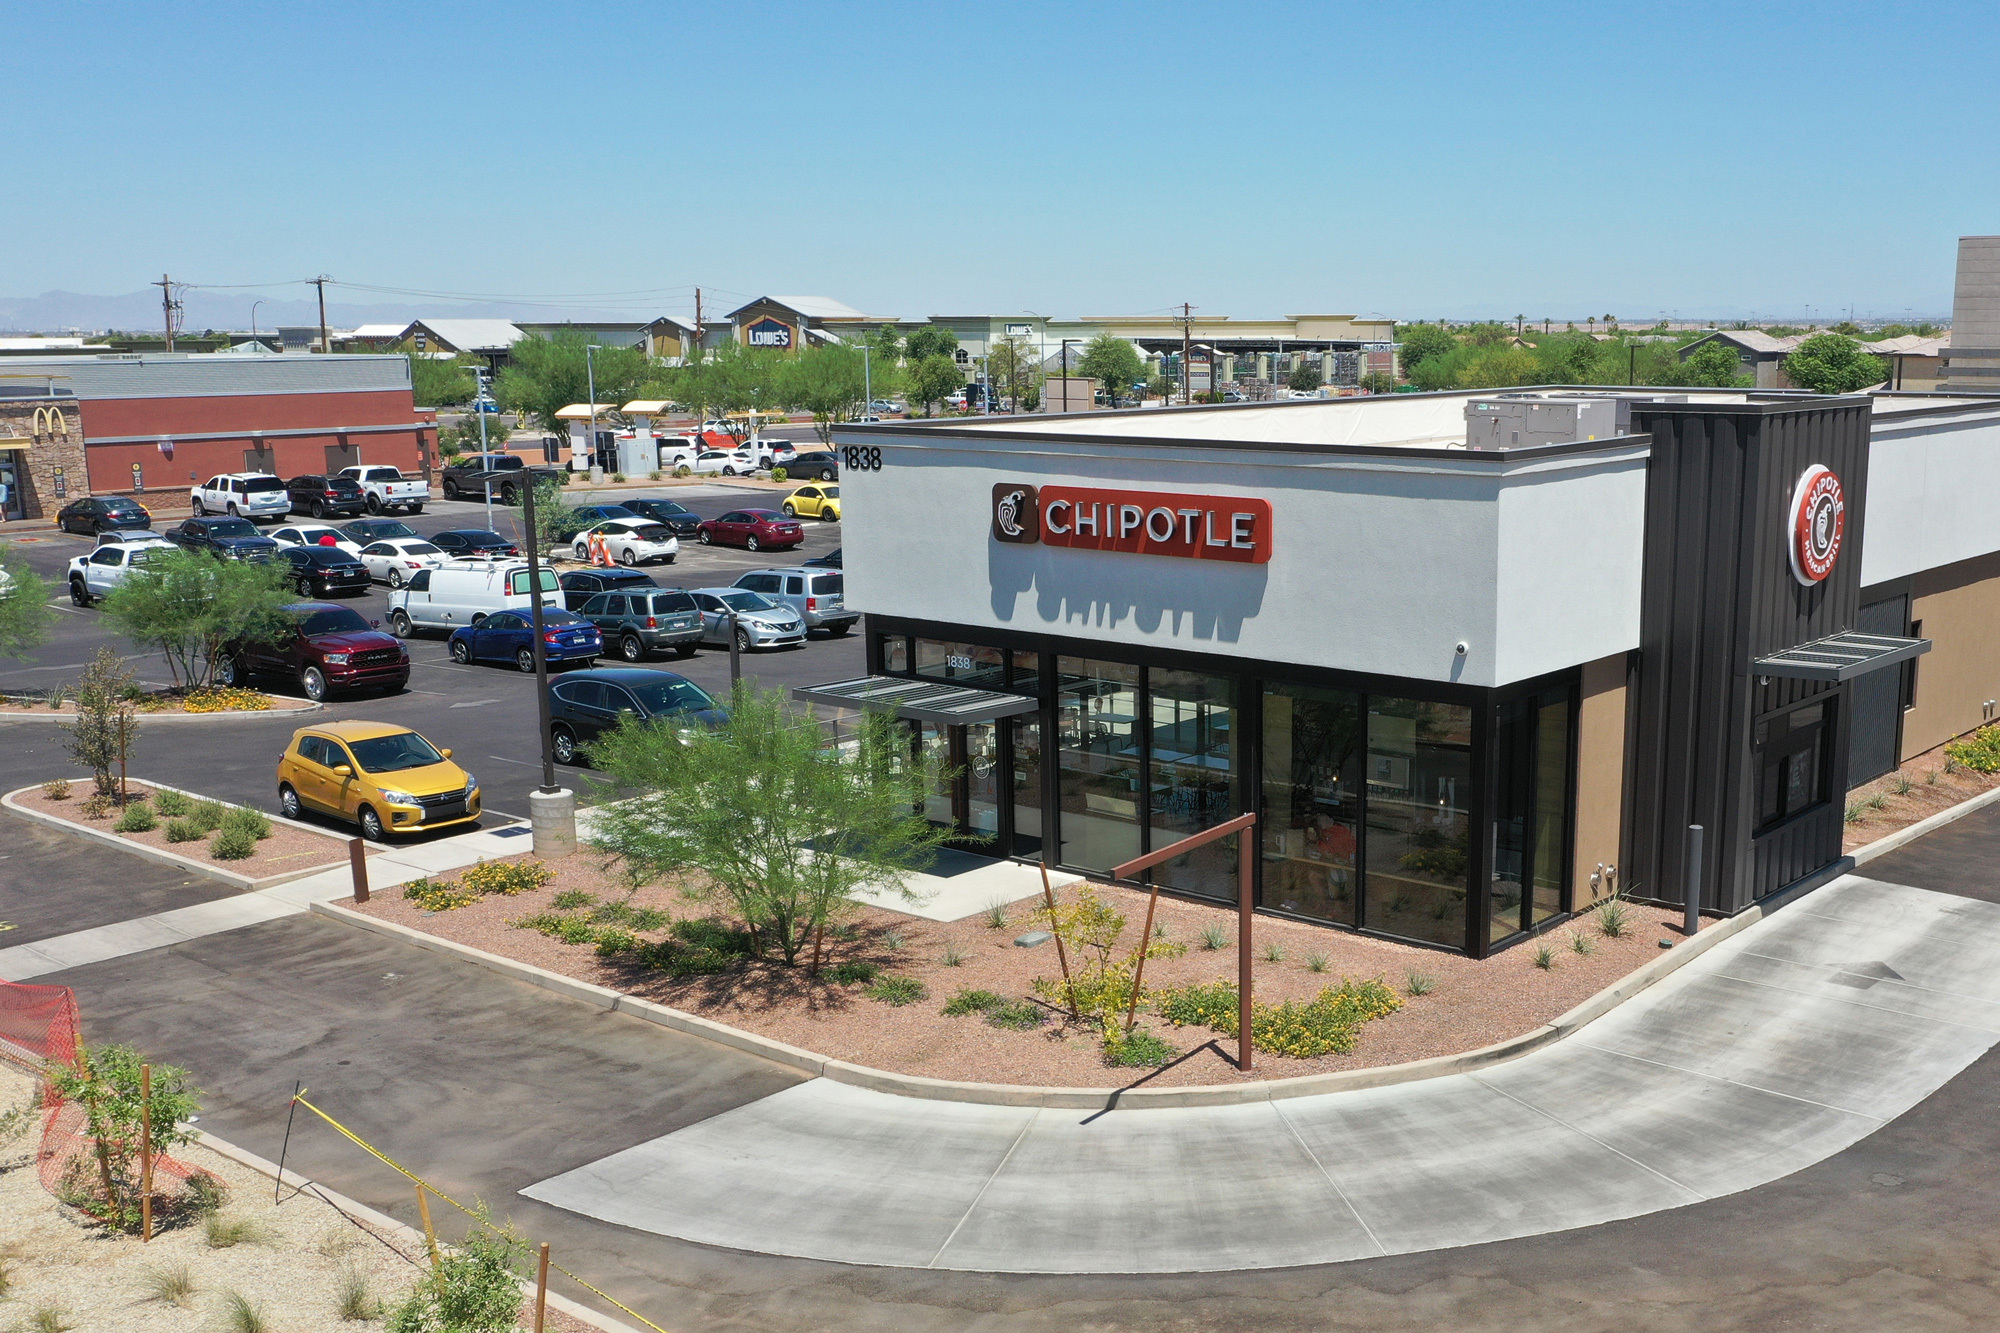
{"x": 821, "y": 500}
{"x": 385, "y": 778}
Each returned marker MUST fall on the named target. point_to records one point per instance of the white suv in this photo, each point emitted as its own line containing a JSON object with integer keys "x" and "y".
{"x": 244, "y": 494}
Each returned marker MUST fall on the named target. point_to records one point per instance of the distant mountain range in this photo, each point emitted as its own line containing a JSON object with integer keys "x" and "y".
{"x": 139, "y": 312}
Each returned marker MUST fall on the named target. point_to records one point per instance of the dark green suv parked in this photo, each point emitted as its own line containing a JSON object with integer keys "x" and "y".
{"x": 645, "y": 620}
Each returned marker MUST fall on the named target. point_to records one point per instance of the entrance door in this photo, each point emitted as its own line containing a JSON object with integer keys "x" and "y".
{"x": 10, "y": 479}
{"x": 967, "y": 782}
{"x": 1876, "y": 699}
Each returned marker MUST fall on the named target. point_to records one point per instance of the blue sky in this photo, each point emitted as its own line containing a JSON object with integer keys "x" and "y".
{"x": 1415, "y": 160}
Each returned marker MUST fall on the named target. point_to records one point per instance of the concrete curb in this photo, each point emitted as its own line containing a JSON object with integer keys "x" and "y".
{"x": 161, "y": 856}
{"x": 383, "y": 1222}
{"x": 149, "y": 719}
{"x": 1889, "y": 842}
{"x": 1095, "y": 1099}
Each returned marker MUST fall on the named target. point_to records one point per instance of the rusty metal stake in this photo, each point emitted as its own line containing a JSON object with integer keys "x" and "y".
{"x": 145, "y": 1153}
{"x": 1139, "y": 972}
{"x": 357, "y": 865}
{"x": 1243, "y": 946}
{"x": 542, "y": 1287}
{"x": 1062, "y": 958}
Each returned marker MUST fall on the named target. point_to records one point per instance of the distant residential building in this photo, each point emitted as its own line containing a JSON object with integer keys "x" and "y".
{"x": 1916, "y": 363}
{"x": 1761, "y": 355}
{"x": 1973, "y": 360}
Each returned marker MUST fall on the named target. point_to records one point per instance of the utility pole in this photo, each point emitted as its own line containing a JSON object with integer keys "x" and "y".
{"x": 166, "y": 286}
{"x": 320, "y": 282}
{"x": 1187, "y": 352}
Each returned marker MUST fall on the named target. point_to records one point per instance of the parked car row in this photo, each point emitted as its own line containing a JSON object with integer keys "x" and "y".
{"x": 375, "y": 488}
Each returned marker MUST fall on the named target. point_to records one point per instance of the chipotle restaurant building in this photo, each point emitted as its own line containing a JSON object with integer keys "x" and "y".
{"x": 1474, "y": 661}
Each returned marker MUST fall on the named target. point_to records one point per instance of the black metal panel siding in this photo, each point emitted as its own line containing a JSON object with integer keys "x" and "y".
{"x": 1718, "y": 591}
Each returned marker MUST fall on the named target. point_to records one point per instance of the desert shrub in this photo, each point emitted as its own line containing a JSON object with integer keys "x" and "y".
{"x": 1611, "y": 919}
{"x": 850, "y": 973}
{"x": 1419, "y": 983}
{"x": 182, "y": 830}
{"x": 683, "y": 471}
{"x": 1317, "y": 962}
{"x": 232, "y": 844}
{"x": 970, "y": 1001}
{"x": 648, "y": 918}
{"x": 438, "y": 895}
{"x": 354, "y": 1300}
{"x": 137, "y": 818}
{"x": 654, "y": 475}
{"x": 1302, "y": 1029}
{"x": 611, "y": 943}
{"x": 898, "y": 991}
{"x": 1141, "y": 1050}
{"x": 611, "y": 913}
{"x": 702, "y": 933}
{"x": 170, "y": 1284}
{"x": 1200, "y": 1006}
{"x": 1214, "y": 937}
{"x": 223, "y": 1233}
{"x": 207, "y": 815}
{"x": 1979, "y": 752}
{"x": 56, "y": 789}
{"x": 95, "y": 806}
{"x": 1017, "y": 1016}
{"x": 953, "y": 955}
{"x": 779, "y": 474}
{"x": 474, "y": 1288}
{"x": 241, "y": 818}
{"x": 1544, "y": 956}
{"x": 105, "y": 1081}
{"x": 224, "y": 699}
{"x": 506, "y": 878}
{"x": 571, "y": 899}
{"x": 172, "y": 804}
{"x": 618, "y": 476}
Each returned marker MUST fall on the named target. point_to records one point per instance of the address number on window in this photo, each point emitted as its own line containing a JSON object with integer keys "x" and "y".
{"x": 859, "y": 458}
{"x": 957, "y": 663}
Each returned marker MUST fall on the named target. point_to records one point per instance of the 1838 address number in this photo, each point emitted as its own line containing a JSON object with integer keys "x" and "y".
{"x": 861, "y": 458}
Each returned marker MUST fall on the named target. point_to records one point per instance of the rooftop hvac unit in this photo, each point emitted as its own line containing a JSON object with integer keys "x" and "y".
{"x": 1517, "y": 423}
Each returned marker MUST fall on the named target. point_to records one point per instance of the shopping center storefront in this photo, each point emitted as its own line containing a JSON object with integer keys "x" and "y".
{"x": 1467, "y": 691}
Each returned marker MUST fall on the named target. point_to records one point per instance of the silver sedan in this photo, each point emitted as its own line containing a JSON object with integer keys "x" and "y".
{"x": 760, "y": 622}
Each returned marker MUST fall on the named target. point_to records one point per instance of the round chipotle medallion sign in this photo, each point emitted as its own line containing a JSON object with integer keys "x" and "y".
{"x": 1819, "y": 516}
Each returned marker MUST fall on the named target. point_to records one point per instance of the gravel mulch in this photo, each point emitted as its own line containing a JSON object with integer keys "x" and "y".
{"x": 286, "y": 850}
{"x": 57, "y": 1258}
{"x": 1915, "y": 791}
{"x": 1472, "y": 1003}
{"x": 165, "y": 705}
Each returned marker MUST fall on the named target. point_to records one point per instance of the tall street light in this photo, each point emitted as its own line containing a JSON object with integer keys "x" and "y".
{"x": 590, "y": 371}
{"x": 551, "y": 809}
{"x": 485, "y": 457}
{"x": 253, "y": 319}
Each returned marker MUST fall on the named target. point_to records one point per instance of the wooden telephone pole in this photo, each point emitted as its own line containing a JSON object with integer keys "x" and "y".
{"x": 320, "y": 282}
{"x": 166, "y": 286}
{"x": 1187, "y": 352}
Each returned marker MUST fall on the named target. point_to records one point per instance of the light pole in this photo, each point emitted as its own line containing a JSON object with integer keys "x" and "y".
{"x": 1065, "y": 369}
{"x": 1041, "y": 347}
{"x": 485, "y": 458}
{"x": 551, "y": 809}
{"x": 590, "y": 372}
{"x": 867, "y": 382}
{"x": 253, "y": 319}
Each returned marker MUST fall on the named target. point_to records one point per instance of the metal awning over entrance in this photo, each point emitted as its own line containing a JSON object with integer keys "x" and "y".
{"x": 918, "y": 700}
{"x": 1840, "y": 657}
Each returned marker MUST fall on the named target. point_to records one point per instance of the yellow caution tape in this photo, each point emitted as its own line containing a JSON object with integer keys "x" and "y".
{"x": 394, "y": 1165}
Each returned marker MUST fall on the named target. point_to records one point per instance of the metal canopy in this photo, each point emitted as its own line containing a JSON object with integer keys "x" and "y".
{"x": 1840, "y": 657}
{"x": 918, "y": 700}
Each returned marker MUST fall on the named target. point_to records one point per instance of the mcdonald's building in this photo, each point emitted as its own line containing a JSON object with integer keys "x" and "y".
{"x": 1474, "y": 662}
{"x": 129, "y": 423}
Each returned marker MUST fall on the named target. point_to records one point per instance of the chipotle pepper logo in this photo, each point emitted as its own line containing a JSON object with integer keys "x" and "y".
{"x": 1017, "y": 517}
{"x": 1819, "y": 519}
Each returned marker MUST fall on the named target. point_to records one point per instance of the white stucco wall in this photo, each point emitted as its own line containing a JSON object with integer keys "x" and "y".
{"x": 1932, "y": 476}
{"x": 1380, "y": 564}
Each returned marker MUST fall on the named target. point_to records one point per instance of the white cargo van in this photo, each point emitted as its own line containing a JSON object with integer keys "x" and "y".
{"x": 465, "y": 592}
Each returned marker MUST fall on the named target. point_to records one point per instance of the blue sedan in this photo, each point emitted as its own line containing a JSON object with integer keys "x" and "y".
{"x": 509, "y": 636}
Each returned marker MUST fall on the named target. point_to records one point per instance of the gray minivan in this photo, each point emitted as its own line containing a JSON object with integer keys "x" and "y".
{"x": 818, "y": 595}
{"x": 641, "y": 620}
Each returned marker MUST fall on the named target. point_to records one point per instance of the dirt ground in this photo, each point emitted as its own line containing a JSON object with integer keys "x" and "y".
{"x": 56, "y": 1258}
{"x": 1470, "y": 1004}
{"x": 1917, "y": 790}
{"x": 286, "y": 850}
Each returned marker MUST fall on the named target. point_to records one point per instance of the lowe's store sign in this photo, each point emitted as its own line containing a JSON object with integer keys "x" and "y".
{"x": 769, "y": 332}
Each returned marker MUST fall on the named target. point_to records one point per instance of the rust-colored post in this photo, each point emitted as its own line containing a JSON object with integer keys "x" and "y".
{"x": 542, "y": 1287}
{"x": 357, "y": 865}
{"x": 145, "y": 1153}
{"x": 1244, "y": 851}
{"x": 1139, "y": 972}
{"x": 430, "y": 1234}
{"x": 1062, "y": 958}
{"x": 819, "y": 934}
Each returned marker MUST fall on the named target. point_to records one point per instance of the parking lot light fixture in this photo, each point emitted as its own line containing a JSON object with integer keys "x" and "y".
{"x": 551, "y": 809}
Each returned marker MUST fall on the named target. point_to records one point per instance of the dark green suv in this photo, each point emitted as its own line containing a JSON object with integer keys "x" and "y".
{"x": 645, "y": 620}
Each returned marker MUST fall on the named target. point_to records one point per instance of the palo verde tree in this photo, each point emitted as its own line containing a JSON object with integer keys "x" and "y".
{"x": 1014, "y": 366}
{"x": 934, "y": 379}
{"x": 548, "y": 374}
{"x": 192, "y": 607}
{"x": 767, "y": 814}
{"x": 25, "y": 613}
{"x": 106, "y": 721}
{"x": 826, "y": 381}
{"x": 931, "y": 340}
{"x": 1831, "y": 363}
{"x": 1114, "y": 363}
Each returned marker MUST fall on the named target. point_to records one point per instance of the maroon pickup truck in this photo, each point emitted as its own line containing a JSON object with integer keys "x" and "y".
{"x": 326, "y": 648}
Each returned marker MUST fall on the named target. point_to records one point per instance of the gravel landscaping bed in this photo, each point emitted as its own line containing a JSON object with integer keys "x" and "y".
{"x": 1469, "y": 1003}
{"x": 159, "y": 703}
{"x": 286, "y": 850}
{"x": 1919, "y": 789}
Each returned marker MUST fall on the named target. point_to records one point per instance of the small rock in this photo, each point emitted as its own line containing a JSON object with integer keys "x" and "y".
{"x": 1032, "y": 938}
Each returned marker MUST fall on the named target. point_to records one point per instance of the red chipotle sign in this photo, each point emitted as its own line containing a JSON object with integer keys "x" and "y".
{"x": 1193, "y": 527}
{"x": 1819, "y": 520}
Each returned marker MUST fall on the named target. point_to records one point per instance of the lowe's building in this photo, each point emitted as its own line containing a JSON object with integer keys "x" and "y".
{"x": 1474, "y": 662}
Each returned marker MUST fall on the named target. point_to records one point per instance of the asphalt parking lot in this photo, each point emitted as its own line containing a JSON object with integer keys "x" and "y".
{"x": 485, "y": 713}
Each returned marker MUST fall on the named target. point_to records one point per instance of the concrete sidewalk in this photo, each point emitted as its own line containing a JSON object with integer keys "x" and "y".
{"x": 1782, "y": 1046}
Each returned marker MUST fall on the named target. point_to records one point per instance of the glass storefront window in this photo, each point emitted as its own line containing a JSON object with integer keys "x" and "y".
{"x": 1026, "y": 675}
{"x": 1791, "y": 763}
{"x": 1097, "y": 715}
{"x": 982, "y": 783}
{"x": 1530, "y": 812}
{"x": 972, "y": 665}
{"x": 1192, "y": 718}
{"x": 1418, "y": 836}
{"x": 1027, "y": 784}
{"x": 1552, "y": 842}
{"x": 934, "y": 753}
{"x": 895, "y": 653}
{"x": 1312, "y": 764}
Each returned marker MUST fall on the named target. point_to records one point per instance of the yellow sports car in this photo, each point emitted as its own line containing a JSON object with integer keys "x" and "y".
{"x": 817, "y": 501}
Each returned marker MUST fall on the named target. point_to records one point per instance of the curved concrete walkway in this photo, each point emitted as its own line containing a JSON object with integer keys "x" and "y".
{"x": 1780, "y": 1047}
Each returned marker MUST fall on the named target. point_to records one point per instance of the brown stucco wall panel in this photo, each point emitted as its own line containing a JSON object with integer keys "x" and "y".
{"x": 1600, "y": 774}
{"x": 1959, "y": 607}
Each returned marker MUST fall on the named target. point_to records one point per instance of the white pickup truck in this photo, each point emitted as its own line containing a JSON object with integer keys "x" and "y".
{"x": 389, "y": 490}
{"x": 95, "y": 575}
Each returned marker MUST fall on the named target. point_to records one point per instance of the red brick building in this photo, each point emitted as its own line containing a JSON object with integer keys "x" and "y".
{"x": 162, "y": 421}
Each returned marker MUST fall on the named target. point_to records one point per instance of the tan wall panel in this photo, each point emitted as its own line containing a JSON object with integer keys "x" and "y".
{"x": 1959, "y": 606}
{"x": 1600, "y": 773}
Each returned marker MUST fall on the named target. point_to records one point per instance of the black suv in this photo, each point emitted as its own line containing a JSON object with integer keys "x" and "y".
{"x": 325, "y": 570}
{"x": 585, "y": 704}
{"x": 229, "y": 538}
{"x": 107, "y": 513}
{"x": 674, "y": 517}
{"x": 580, "y": 585}
{"x": 474, "y": 475}
{"x": 323, "y": 496}
{"x": 819, "y": 465}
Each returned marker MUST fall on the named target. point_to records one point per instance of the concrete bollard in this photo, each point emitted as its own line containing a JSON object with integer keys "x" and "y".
{"x": 552, "y": 817}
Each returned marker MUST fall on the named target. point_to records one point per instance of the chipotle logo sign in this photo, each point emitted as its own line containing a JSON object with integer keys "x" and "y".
{"x": 1819, "y": 520}
{"x": 1192, "y": 527}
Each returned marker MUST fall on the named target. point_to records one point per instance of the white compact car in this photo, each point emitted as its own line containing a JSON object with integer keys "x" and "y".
{"x": 631, "y": 542}
{"x": 396, "y": 561}
{"x": 725, "y": 462}
{"x": 310, "y": 534}
{"x": 244, "y": 494}
{"x": 93, "y": 576}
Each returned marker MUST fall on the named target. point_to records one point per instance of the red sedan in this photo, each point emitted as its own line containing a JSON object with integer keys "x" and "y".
{"x": 758, "y": 529}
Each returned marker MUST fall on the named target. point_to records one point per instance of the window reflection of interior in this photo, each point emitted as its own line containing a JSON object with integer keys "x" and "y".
{"x": 1192, "y": 718}
{"x": 1791, "y": 763}
{"x": 1097, "y": 715}
{"x": 972, "y": 665}
{"x": 1419, "y": 775}
{"x": 1312, "y": 800}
